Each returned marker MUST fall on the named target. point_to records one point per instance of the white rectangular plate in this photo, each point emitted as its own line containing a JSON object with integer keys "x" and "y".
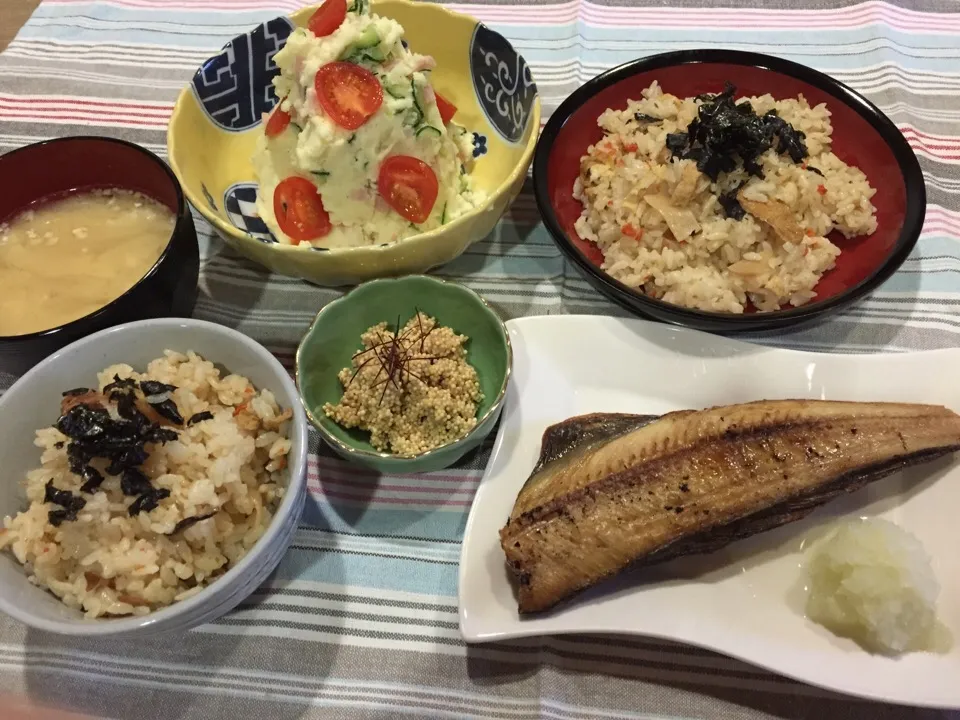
{"x": 745, "y": 601}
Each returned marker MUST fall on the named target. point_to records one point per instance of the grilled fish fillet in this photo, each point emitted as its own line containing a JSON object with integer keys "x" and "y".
{"x": 612, "y": 490}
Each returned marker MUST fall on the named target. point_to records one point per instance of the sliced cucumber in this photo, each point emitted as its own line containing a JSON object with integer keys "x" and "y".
{"x": 366, "y": 48}
{"x": 370, "y": 57}
{"x": 413, "y": 118}
{"x": 417, "y": 108}
{"x": 394, "y": 92}
{"x": 367, "y": 39}
{"x": 429, "y": 130}
{"x": 373, "y": 55}
{"x": 443, "y": 215}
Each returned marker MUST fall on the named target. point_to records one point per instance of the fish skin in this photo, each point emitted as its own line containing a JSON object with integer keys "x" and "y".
{"x": 565, "y": 445}
{"x": 611, "y": 491}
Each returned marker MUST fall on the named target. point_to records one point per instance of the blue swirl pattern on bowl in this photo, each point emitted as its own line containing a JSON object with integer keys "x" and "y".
{"x": 235, "y": 87}
{"x": 503, "y": 83}
{"x": 240, "y": 204}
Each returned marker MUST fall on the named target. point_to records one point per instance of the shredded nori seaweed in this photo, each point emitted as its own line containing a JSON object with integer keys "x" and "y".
{"x": 811, "y": 168}
{"x": 75, "y": 391}
{"x": 148, "y": 501}
{"x": 92, "y": 479}
{"x": 122, "y": 384}
{"x": 84, "y": 423}
{"x": 190, "y": 521}
{"x": 52, "y": 494}
{"x": 790, "y": 141}
{"x": 133, "y": 482}
{"x": 128, "y": 410}
{"x": 128, "y": 458}
{"x": 168, "y": 409}
{"x": 644, "y": 118}
{"x": 200, "y": 417}
{"x": 95, "y": 433}
{"x": 71, "y": 504}
{"x": 678, "y": 143}
{"x": 160, "y": 435}
{"x": 727, "y": 134}
{"x": 152, "y": 387}
{"x": 57, "y": 517}
{"x": 77, "y": 458}
{"x": 731, "y": 206}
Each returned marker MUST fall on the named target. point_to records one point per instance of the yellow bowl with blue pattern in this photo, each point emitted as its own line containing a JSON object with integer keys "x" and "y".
{"x": 218, "y": 118}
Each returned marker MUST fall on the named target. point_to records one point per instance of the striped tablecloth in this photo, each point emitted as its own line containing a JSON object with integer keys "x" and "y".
{"x": 360, "y": 620}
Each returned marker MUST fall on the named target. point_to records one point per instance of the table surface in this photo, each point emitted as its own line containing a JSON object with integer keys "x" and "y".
{"x": 13, "y": 14}
{"x": 360, "y": 620}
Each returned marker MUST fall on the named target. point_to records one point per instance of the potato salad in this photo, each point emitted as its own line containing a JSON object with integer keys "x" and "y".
{"x": 361, "y": 149}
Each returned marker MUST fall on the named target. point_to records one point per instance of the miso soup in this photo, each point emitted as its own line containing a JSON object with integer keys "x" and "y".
{"x": 73, "y": 255}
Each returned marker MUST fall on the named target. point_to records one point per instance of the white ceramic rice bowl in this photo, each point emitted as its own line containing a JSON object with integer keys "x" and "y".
{"x": 32, "y": 402}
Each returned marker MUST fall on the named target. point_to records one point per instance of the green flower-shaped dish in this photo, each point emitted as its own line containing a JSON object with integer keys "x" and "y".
{"x": 334, "y": 337}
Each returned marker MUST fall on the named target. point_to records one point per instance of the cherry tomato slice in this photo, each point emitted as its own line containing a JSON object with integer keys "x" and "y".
{"x": 299, "y": 210}
{"x": 277, "y": 122}
{"x": 328, "y": 18}
{"x": 447, "y": 109}
{"x": 348, "y": 93}
{"x": 409, "y": 186}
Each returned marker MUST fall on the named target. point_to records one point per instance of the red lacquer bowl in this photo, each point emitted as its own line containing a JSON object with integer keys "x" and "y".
{"x": 862, "y": 136}
{"x": 36, "y": 173}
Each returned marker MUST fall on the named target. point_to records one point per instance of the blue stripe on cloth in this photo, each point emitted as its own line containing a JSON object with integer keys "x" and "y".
{"x": 368, "y": 571}
{"x": 432, "y": 524}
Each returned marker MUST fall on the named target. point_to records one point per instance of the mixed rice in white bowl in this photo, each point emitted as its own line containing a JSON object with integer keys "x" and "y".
{"x": 182, "y": 522}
